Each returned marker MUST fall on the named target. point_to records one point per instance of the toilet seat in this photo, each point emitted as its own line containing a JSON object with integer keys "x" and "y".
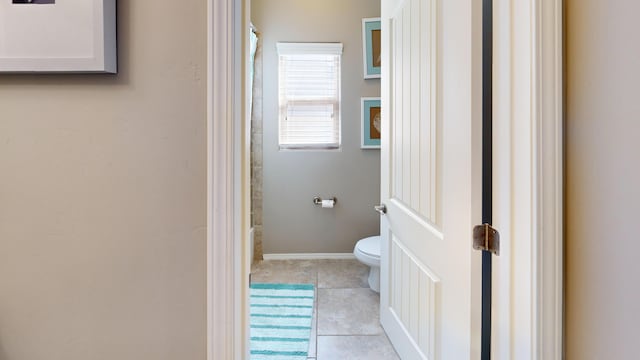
{"x": 367, "y": 250}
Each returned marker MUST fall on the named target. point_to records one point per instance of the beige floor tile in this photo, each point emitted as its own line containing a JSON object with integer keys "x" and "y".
{"x": 342, "y": 274}
{"x": 285, "y": 271}
{"x": 375, "y": 347}
{"x": 348, "y": 312}
{"x": 344, "y": 306}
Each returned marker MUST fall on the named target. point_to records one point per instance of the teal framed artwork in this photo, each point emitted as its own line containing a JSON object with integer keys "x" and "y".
{"x": 371, "y": 123}
{"x": 371, "y": 47}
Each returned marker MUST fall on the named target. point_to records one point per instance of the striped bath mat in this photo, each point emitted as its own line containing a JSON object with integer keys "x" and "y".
{"x": 280, "y": 321}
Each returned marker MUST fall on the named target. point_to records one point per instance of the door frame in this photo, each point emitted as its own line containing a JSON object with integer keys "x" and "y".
{"x": 528, "y": 180}
{"x": 228, "y": 177}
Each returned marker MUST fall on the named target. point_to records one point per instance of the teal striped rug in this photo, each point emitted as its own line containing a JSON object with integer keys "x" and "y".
{"x": 280, "y": 321}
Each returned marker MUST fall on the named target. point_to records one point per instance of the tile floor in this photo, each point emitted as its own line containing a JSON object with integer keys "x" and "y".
{"x": 346, "y": 321}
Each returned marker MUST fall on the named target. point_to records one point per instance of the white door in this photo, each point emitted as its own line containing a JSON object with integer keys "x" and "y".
{"x": 431, "y": 151}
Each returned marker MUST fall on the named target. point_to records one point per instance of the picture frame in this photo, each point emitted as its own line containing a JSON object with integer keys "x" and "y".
{"x": 371, "y": 122}
{"x": 371, "y": 47}
{"x": 52, "y": 36}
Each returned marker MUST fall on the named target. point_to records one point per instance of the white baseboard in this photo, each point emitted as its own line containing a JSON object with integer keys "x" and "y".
{"x": 309, "y": 256}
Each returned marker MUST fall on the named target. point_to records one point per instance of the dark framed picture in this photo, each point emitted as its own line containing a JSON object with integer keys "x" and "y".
{"x": 371, "y": 47}
{"x": 371, "y": 123}
{"x": 33, "y": 1}
{"x": 52, "y": 36}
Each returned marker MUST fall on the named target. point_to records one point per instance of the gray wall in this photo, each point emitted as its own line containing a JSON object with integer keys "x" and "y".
{"x": 103, "y": 199}
{"x": 603, "y": 179}
{"x": 291, "y": 223}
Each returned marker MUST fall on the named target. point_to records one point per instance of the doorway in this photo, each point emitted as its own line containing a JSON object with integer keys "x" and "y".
{"x": 518, "y": 51}
{"x": 289, "y": 228}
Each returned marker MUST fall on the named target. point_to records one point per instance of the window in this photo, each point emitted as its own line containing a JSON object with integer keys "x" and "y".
{"x": 309, "y": 95}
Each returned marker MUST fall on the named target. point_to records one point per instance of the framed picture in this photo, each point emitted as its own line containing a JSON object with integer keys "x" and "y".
{"x": 371, "y": 47}
{"x": 58, "y": 36}
{"x": 371, "y": 122}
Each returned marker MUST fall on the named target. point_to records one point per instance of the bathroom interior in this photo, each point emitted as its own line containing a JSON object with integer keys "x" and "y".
{"x": 295, "y": 239}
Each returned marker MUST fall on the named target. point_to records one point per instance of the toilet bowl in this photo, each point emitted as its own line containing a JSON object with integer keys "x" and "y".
{"x": 367, "y": 251}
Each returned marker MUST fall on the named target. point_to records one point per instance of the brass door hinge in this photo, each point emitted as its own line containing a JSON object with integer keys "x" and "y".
{"x": 486, "y": 238}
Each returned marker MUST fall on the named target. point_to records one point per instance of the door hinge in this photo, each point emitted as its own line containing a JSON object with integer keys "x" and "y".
{"x": 486, "y": 238}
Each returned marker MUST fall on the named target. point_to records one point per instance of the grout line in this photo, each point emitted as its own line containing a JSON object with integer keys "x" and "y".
{"x": 317, "y": 311}
{"x": 314, "y": 271}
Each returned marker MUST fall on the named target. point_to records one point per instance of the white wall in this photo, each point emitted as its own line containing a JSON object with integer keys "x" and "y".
{"x": 603, "y": 179}
{"x": 103, "y": 199}
{"x": 291, "y": 223}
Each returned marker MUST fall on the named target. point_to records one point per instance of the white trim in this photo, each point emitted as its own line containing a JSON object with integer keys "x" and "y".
{"x": 502, "y": 182}
{"x": 227, "y": 248}
{"x": 287, "y": 48}
{"x": 309, "y": 256}
{"x": 550, "y": 151}
{"x": 528, "y": 179}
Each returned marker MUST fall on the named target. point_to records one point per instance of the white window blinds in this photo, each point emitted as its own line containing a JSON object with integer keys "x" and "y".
{"x": 309, "y": 95}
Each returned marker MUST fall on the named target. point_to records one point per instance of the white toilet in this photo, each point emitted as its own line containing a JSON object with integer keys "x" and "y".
{"x": 367, "y": 251}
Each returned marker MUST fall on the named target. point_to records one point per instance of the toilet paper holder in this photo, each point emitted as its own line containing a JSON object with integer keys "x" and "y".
{"x": 318, "y": 200}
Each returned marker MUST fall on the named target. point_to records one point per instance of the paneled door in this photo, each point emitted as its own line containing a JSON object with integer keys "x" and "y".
{"x": 431, "y": 177}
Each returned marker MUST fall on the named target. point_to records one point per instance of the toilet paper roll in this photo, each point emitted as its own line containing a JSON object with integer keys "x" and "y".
{"x": 327, "y": 204}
